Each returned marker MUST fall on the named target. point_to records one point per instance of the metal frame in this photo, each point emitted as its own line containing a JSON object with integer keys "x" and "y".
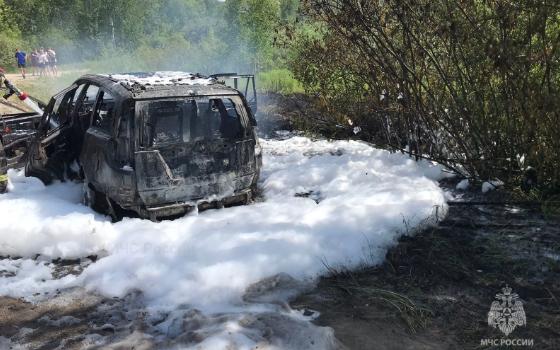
{"x": 235, "y": 78}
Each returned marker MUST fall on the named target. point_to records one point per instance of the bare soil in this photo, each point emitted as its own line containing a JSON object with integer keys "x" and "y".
{"x": 74, "y": 319}
{"x": 435, "y": 288}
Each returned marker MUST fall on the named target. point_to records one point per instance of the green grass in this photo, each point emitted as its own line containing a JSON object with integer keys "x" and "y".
{"x": 280, "y": 81}
{"x": 45, "y": 88}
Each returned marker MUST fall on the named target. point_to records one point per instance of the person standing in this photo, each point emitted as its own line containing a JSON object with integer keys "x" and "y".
{"x": 35, "y": 62}
{"x": 21, "y": 60}
{"x": 43, "y": 60}
{"x": 52, "y": 61}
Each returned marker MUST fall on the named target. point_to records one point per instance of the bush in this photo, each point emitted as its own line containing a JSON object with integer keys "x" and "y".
{"x": 474, "y": 85}
{"x": 8, "y": 44}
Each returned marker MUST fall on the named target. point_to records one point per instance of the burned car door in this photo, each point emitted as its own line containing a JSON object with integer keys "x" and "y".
{"x": 47, "y": 156}
{"x": 104, "y": 157}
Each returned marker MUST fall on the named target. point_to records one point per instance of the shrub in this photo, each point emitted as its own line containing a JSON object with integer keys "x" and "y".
{"x": 472, "y": 84}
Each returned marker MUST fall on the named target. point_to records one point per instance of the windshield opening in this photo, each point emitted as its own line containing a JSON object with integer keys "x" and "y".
{"x": 190, "y": 120}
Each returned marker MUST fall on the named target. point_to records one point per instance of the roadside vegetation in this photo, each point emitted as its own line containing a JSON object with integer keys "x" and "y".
{"x": 280, "y": 81}
{"x": 474, "y": 85}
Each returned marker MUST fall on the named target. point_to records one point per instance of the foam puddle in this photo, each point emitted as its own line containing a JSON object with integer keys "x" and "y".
{"x": 337, "y": 203}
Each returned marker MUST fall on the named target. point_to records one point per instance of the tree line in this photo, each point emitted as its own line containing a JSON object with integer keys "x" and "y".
{"x": 141, "y": 34}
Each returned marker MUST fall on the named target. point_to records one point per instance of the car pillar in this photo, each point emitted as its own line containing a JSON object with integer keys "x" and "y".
{"x": 3, "y": 170}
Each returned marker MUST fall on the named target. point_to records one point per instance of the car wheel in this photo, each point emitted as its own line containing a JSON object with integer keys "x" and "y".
{"x": 95, "y": 199}
{"x": 102, "y": 204}
{"x": 44, "y": 176}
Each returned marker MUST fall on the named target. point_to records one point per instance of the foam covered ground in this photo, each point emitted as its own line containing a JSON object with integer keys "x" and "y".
{"x": 337, "y": 204}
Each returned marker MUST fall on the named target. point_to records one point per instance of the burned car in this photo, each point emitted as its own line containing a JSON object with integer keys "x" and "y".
{"x": 17, "y": 128}
{"x": 151, "y": 144}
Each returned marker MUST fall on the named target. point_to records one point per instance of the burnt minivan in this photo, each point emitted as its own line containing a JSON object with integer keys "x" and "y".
{"x": 152, "y": 145}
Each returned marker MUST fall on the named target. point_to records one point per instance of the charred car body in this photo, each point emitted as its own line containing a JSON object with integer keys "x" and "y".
{"x": 17, "y": 128}
{"x": 16, "y": 131}
{"x": 151, "y": 144}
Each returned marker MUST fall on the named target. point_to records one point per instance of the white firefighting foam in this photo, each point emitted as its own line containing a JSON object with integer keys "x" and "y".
{"x": 326, "y": 203}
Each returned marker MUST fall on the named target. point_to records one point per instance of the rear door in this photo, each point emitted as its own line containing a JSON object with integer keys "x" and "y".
{"x": 199, "y": 145}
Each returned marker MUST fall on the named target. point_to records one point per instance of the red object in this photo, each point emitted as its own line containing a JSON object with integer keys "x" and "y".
{"x": 7, "y": 130}
{"x": 22, "y": 96}
{"x": 2, "y": 70}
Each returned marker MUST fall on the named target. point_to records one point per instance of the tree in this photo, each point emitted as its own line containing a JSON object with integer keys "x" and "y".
{"x": 9, "y": 35}
{"x": 253, "y": 26}
{"x": 473, "y": 84}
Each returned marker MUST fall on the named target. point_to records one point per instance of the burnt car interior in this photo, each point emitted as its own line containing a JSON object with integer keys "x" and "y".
{"x": 17, "y": 127}
{"x": 69, "y": 115}
{"x": 248, "y": 88}
{"x": 184, "y": 121}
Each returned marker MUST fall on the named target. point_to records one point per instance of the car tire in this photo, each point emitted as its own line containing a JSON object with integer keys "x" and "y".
{"x": 95, "y": 199}
{"x": 44, "y": 176}
{"x": 101, "y": 203}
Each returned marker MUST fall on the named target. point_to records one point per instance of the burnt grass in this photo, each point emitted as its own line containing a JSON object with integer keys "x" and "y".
{"x": 435, "y": 288}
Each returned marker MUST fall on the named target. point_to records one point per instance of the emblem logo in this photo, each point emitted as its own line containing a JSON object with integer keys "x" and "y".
{"x": 506, "y": 313}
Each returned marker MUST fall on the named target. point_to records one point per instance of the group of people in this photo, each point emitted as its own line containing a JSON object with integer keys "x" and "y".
{"x": 43, "y": 62}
